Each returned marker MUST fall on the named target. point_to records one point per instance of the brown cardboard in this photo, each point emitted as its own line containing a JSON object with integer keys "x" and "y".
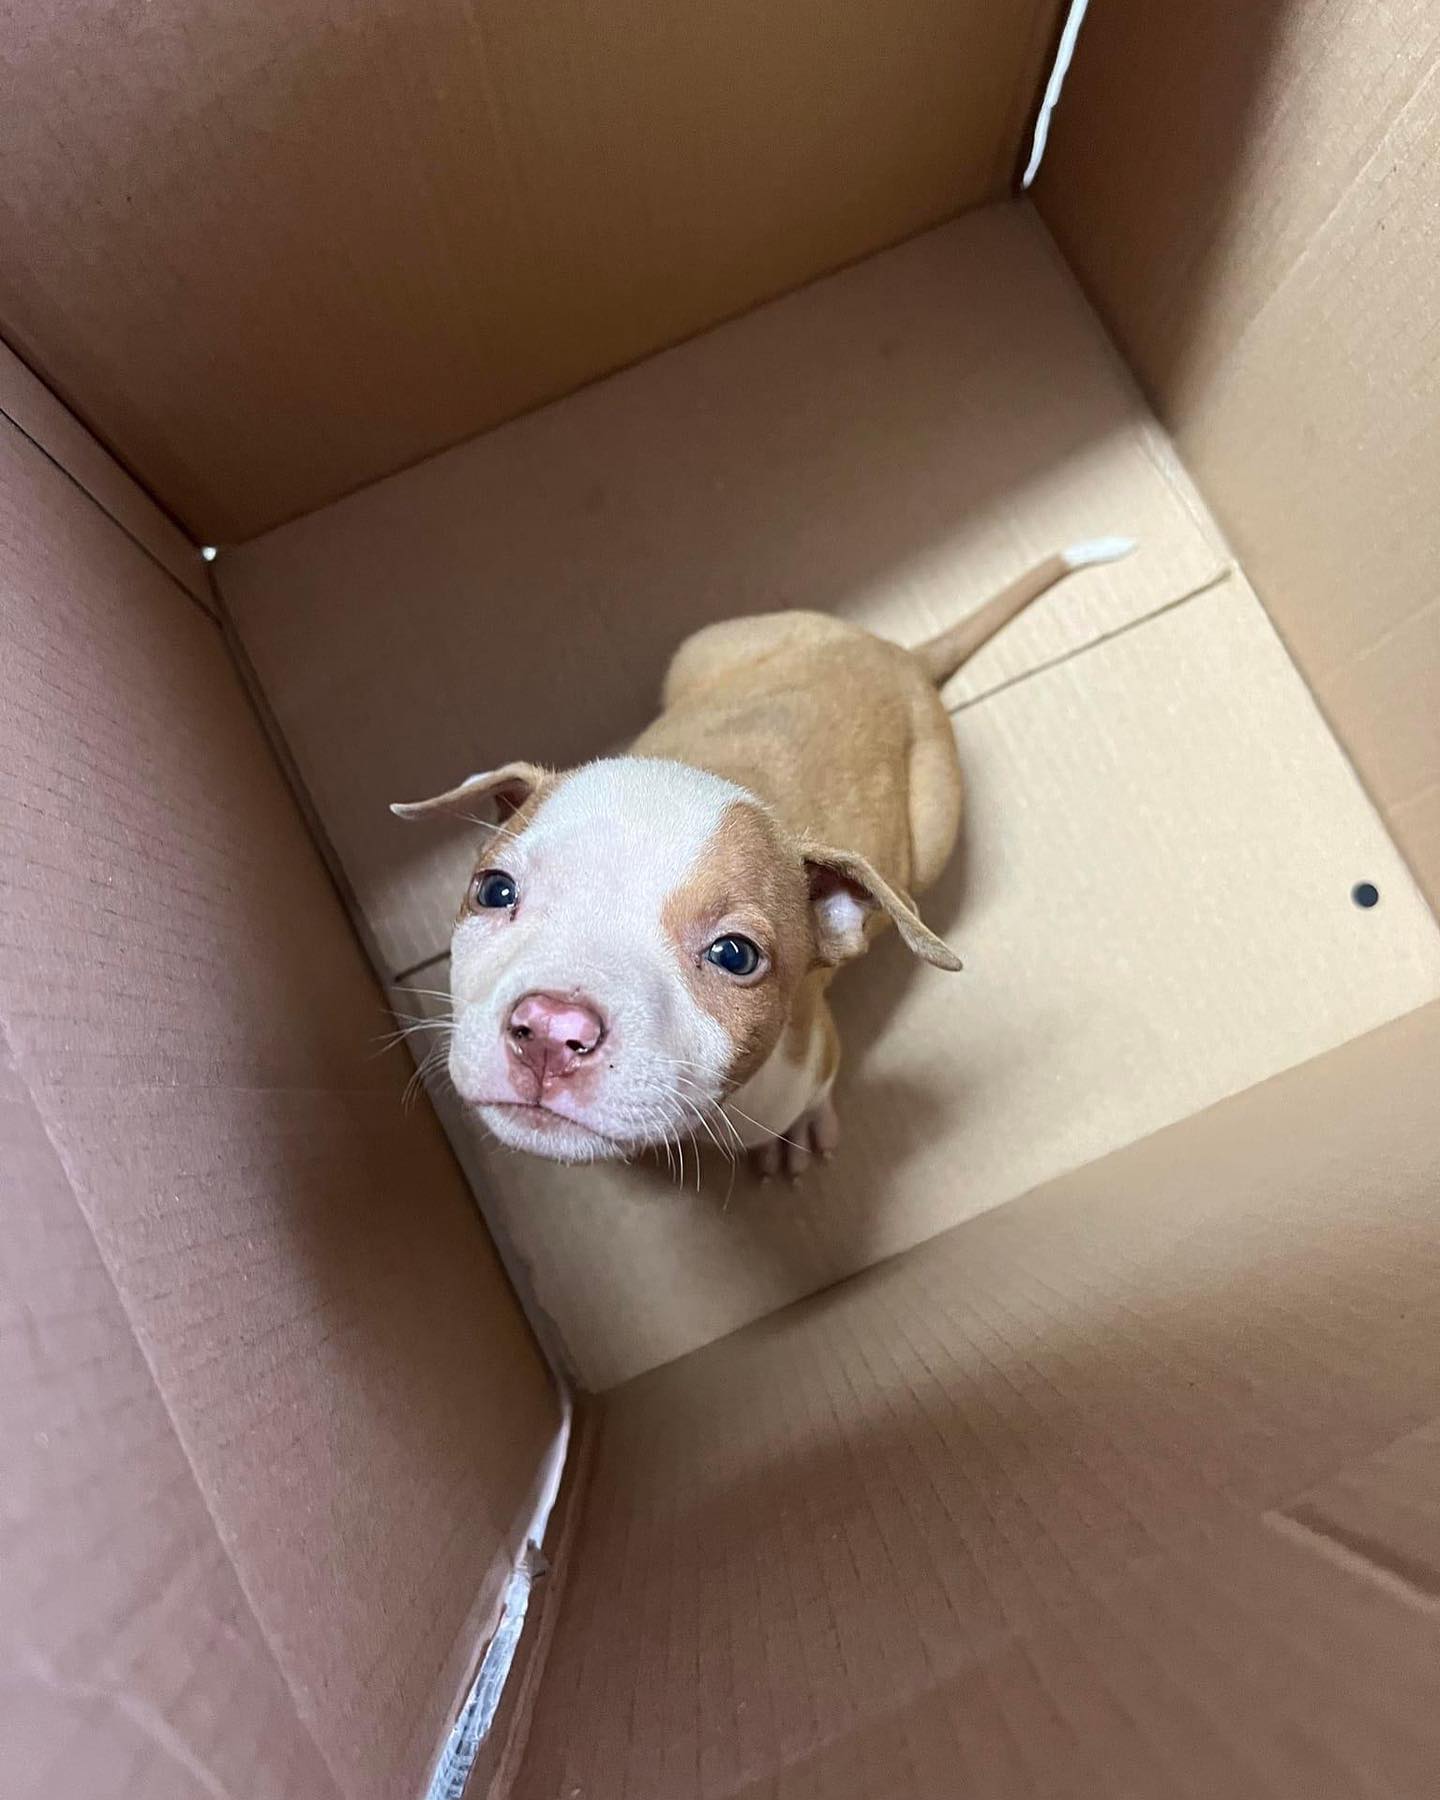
{"x": 1153, "y": 904}
{"x": 1247, "y": 195}
{"x": 132, "y": 1660}
{"x": 893, "y": 444}
{"x": 1126, "y": 1488}
{"x": 290, "y": 1506}
{"x": 272, "y": 252}
{"x": 1122, "y": 1489}
{"x": 30, "y": 406}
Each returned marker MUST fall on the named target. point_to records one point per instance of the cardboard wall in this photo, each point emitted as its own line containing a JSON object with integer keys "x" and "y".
{"x": 254, "y": 1520}
{"x": 1247, "y": 193}
{"x": 271, "y": 252}
{"x": 1153, "y": 894}
{"x": 1126, "y": 1488}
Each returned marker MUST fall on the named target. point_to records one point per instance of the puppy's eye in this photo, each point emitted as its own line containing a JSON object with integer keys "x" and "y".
{"x": 493, "y": 887}
{"x": 735, "y": 955}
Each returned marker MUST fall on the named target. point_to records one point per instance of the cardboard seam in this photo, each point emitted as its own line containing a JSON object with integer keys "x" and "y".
{"x": 542, "y": 1333}
{"x": 570, "y": 1504}
{"x": 717, "y": 323}
{"x": 290, "y": 773}
{"x": 146, "y": 1719}
{"x": 420, "y": 967}
{"x": 18, "y": 1061}
{"x": 1154, "y": 440}
{"x": 484, "y": 1693}
{"x": 1384, "y": 810}
{"x": 1402, "y": 1577}
{"x": 1106, "y": 637}
{"x": 100, "y": 506}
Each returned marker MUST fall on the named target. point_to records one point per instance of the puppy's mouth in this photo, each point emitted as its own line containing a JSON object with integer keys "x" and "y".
{"x": 550, "y": 1133}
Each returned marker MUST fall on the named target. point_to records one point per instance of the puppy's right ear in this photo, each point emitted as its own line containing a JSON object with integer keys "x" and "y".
{"x": 505, "y": 789}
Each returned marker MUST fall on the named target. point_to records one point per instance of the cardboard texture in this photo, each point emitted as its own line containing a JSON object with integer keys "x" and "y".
{"x": 132, "y": 1661}
{"x": 1124, "y": 1489}
{"x": 1247, "y": 195}
{"x": 255, "y": 1526}
{"x": 403, "y": 636}
{"x": 893, "y": 444}
{"x": 272, "y": 252}
{"x": 30, "y": 406}
{"x": 1153, "y": 904}
{"x": 1119, "y": 1481}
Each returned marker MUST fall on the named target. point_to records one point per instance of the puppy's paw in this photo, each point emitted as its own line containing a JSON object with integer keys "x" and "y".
{"x": 814, "y": 1134}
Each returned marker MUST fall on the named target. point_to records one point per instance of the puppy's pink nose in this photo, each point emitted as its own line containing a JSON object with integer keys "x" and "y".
{"x": 553, "y": 1036}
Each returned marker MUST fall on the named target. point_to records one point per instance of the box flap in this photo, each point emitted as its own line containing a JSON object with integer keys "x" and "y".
{"x": 1248, "y": 195}
{"x": 132, "y": 1662}
{"x": 270, "y": 253}
{"x": 324, "y": 1359}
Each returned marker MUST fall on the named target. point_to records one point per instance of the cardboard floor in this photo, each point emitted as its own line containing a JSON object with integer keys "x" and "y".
{"x": 1124, "y": 1490}
{"x": 1153, "y": 893}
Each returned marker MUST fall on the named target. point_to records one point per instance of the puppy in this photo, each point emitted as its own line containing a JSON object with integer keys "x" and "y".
{"x": 645, "y": 946}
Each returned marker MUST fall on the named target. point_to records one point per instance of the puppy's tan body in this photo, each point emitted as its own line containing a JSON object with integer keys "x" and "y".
{"x": 844, "y": 739}
{"x": 649, "y": 939}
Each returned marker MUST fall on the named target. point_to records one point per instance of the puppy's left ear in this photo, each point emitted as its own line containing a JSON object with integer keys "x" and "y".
{"x": 507, "y": 789}
{"x": 844, "y": 891}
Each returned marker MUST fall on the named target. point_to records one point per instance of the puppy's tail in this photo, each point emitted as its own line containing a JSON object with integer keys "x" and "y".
{"x": 943, "y": 655}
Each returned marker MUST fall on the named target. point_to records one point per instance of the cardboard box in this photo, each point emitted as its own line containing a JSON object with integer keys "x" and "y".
{"x": 1078, "y": 1432}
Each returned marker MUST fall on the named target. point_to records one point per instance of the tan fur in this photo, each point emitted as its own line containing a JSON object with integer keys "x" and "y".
{"x": 750, "y": 881}
{"x": 842, "y": 739}
{"x": 840, "y": 733}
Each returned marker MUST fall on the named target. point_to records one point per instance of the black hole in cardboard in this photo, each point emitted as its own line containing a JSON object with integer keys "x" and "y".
{"x": 1365, "y": 893}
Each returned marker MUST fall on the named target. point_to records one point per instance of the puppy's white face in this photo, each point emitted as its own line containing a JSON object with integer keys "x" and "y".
{"x": 625, "y": 957}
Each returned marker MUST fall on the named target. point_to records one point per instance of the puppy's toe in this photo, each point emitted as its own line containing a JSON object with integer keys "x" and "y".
{"x": 797, "y": 1154}
{"x": 765, "y": 1158}
{"x": 825, "y": 1128}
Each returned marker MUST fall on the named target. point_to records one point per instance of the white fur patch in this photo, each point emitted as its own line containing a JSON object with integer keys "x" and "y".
{"x": 778, "y": 1093}
{"x": 594, "y": 870}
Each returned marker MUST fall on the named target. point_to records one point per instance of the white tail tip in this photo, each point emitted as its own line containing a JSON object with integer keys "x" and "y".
{"x": 1098, "y": 550}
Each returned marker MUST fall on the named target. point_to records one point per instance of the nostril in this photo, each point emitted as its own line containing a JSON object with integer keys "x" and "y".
{"x": 579, "y": 1048}
{"x": 521, "y": 1031}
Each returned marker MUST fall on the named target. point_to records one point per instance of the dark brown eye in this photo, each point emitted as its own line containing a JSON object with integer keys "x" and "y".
{"x": 734, "y": 954}
{"x": 493, "y": 888}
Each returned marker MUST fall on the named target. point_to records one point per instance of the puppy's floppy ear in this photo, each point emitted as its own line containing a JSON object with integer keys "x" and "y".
{"x": 505, "y": 789}
{"x": 844, "y": 891}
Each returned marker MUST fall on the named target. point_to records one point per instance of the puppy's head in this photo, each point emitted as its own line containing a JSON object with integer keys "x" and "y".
{"x": 629, "y": 946}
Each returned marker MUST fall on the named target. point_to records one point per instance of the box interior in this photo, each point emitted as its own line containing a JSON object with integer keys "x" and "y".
{"x": 1076, "y": 1433}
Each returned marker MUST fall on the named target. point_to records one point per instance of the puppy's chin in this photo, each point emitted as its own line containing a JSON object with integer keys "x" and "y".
{"x": 543, "y": 1133}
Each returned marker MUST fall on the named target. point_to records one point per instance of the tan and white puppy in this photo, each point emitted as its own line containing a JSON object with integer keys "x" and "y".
{"x": 645, "y": 945}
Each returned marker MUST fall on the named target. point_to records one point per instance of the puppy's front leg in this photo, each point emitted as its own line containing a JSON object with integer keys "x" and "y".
{"x": 815, "y": 1133}
{"x": 784, "y": 1113}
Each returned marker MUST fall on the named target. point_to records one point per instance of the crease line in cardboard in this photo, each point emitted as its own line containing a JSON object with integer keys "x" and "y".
{"x": 274, "y": 736}
{"x": 55, "y": 462}
{"x": 1105, "y": 637}
{"x": 1235, "y": 346}
{"x": 1404, "y": 1577}
{"x": 17, "y": 1061}
{"x": 420, "y": 967}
